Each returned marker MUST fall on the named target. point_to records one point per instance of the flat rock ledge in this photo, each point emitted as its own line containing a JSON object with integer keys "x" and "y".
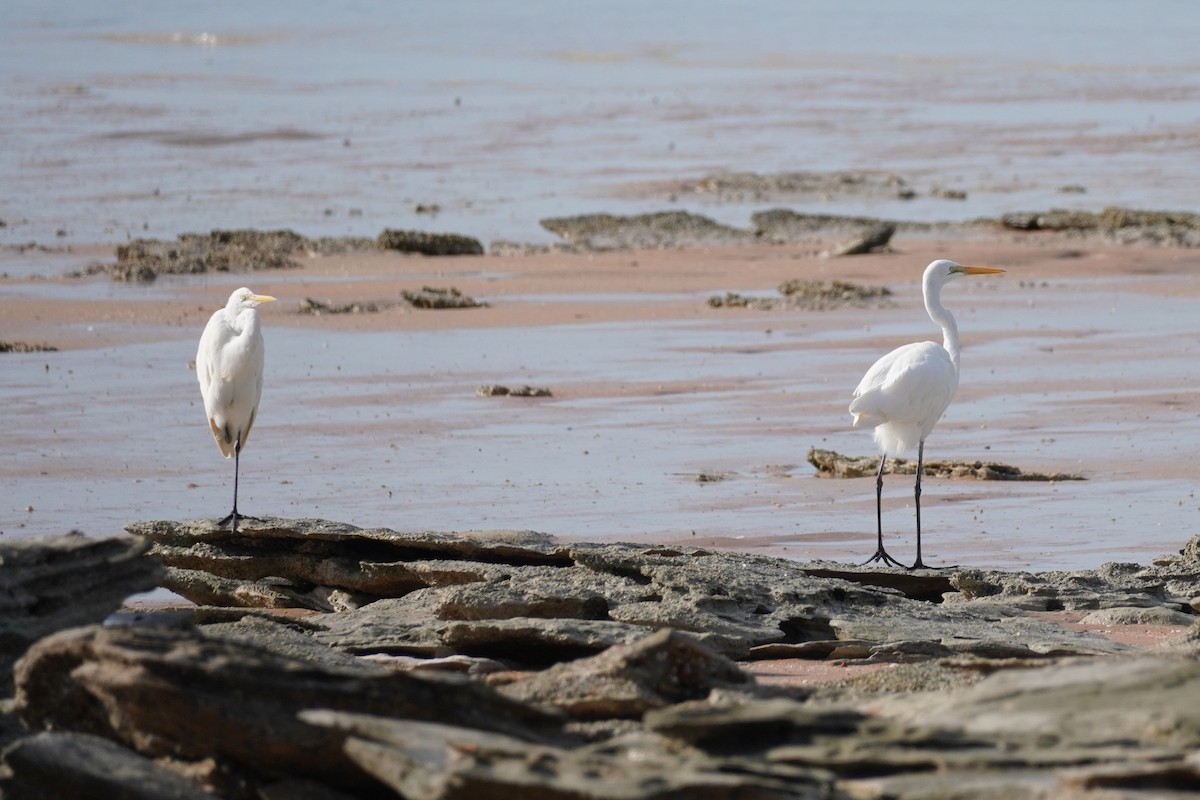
{"x": 63, "y": 582}
{"x": 327, "y": 661}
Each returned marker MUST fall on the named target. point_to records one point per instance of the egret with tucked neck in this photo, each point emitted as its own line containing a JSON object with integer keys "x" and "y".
{"x": 905, "y": 393}
{"x": 229, "y": 366}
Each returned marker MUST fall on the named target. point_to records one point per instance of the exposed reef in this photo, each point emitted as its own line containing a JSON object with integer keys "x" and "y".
{"x": 836, "y": 465}
{"x": 328, "y": 661}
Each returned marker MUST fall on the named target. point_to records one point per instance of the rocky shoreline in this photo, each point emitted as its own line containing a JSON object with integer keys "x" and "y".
{"x": 323, "y": 660}
{"x": 142, "y": 260}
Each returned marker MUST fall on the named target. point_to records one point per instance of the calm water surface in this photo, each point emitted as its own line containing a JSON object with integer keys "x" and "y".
{"x": 149, "y": 119}
{"x": 384, "y": 429}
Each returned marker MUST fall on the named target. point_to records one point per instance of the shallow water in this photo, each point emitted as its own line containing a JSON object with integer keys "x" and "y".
{"x": 150, "y": 119}
{"x": 384, "y": 429}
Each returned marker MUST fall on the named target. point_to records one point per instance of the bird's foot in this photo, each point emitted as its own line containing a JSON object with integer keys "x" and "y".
{"x": 919, "y": 564}
{"x": 235, "y": 517}
{"x": 882, "y": 555}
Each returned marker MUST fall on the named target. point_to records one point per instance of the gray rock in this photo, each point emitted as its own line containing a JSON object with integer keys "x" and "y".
{"x": 533, "y": 643}
{"x": 875, "y": 237}
{"x": 26, "y": 347}
{"x": 193, "y": 694}
{"x": 332, "y": 685}
{"x": 74, "y": 766}
{"x": 317, "y": 308}
{"x": 808, "y": 295}
{"x": 50, "y": 584}
{"x": 656, "y": 230}
{"x": 440, "y": 297}
{"x": 217, "y": 251}
{"x": 309, "y": 559}
{"x": 1191, "y": 551}
{"x": 456, "y": 663}
{"x": 1111, "y": 586}
{"x": 836, "y": 465}
{"x": 285, "y": 639}
{"x": 744, "y": 725}
{"x": 428, "y": 761}
{"x": 784, "y": 226}
{"x": 1157, "y": 615}
{"x": 430, "y": 244}
{"x": 524, "y": 599}
{"x": 625, "y": 681}
{"x": 500, "y": 390}
{"x": 1015, "y": 733}
{"x": 834, "y": 293}
{"x": 1080, "y": 703}
{"x": 385, "y": 627}
{"x": 1123, "y": 225}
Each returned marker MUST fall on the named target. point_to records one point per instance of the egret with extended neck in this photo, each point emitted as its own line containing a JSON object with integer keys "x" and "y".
{"x": 905, "y": 393}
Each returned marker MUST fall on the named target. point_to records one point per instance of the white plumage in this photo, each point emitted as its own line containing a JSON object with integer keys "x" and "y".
{"x": 229, "y": 366}
{"x": 905, "y": 393}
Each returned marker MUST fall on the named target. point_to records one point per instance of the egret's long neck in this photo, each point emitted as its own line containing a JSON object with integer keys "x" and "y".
{"x": 944, "y": 319}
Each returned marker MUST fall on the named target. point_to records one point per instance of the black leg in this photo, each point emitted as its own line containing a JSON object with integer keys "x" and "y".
{"x": 879, "y": 499}
{"x": 880, "y": 553}
{"x": 237, "y": 459}
{"x": 233, "y": 515}
{"x": 918, "y": 564}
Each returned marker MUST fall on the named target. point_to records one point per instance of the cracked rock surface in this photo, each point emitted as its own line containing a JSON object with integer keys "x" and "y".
{"x": 323, "y": 660}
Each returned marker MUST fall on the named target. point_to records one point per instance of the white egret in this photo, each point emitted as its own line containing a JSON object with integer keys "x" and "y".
{"x": 229, "y": 366}
{"x": 905, "y": 393}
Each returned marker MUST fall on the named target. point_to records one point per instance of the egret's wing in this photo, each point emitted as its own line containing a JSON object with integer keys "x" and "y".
{"x": 877, "y": 375}
{"x": 912, "y": 384}
{"x": 215, "y": 388}
{"x": 208, "y": 355}
{"x": 247, "y": 383}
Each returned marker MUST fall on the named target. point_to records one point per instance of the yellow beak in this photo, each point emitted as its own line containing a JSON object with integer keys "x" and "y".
{"x": 266, "y": 298}
{"x": 981, "y": 270}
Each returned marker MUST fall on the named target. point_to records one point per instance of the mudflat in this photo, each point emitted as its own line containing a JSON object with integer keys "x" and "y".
{"x": 668, "y": 419}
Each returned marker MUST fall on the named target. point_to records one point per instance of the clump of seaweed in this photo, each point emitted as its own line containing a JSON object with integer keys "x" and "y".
{"x": 808, "y": 295}
{"x": 437, "y": 297}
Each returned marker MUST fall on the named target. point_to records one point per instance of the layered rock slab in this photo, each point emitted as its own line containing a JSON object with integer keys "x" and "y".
{"x": 579, "y": 678}
{"x": 58, "y": 582}
{"x": 535, "y": 601}
{"x": 233, "y": 692}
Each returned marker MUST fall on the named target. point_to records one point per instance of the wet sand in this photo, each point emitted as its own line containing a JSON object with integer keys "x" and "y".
{"x": 1081, "y": 359}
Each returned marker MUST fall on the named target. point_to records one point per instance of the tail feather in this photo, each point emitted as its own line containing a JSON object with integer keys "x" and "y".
{"x": 223, "y": 436}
